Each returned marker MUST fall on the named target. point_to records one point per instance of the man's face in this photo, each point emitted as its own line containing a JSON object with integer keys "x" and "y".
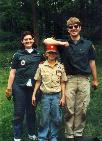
{"x": 74, "y": 30}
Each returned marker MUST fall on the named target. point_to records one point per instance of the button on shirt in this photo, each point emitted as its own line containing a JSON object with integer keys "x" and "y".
{"x": 50, "y": 77}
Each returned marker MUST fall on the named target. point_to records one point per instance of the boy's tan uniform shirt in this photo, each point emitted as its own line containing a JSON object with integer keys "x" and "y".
{"x": 51, "y": 77}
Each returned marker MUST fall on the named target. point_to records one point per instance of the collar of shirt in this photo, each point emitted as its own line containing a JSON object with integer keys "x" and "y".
{"x": 32, "y": 50}
{"x": 80, "y": 40}
{"x": 29, "y": 50}
{"x": 46, "y": 63}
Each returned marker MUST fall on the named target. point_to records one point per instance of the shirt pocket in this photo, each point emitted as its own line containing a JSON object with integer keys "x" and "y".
{"x": 58, "y": 73}
{"x": 57, "y": 77}
{"x": 82, "y": 52}
{"x": 46, "y": 77}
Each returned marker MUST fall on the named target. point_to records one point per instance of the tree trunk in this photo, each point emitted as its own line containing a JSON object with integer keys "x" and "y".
{"x": 35, "y": 21}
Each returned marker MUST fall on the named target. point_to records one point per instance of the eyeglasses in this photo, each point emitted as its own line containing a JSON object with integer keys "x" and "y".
{"x": 73, "y": 26}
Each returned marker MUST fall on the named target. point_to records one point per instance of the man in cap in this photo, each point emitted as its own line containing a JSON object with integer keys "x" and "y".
{"x": 50, "y": 77}
{"x": 78, "y": 56}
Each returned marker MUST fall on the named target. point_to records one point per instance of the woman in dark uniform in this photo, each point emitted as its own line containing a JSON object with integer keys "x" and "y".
{"x": 20, "y": 83}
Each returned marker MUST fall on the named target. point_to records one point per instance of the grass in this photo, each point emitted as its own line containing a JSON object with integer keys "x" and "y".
{"x": 5, "y": 109}
{"x": 94, "y": 114}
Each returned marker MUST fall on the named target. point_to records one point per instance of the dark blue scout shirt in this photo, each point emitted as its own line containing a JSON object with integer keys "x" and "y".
{"x": 26, "y": 65}
{"x": 76, "y": 56}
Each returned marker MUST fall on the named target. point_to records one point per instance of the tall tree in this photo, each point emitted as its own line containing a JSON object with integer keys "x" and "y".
{"x": 35, "y": 20}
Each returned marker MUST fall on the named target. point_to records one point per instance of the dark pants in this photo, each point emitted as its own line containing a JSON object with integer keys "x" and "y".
{"x": 22, "y": 97}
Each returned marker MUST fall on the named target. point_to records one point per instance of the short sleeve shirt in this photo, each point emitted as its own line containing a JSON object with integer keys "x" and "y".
{"x": 26, "y": 65}
{"x": 77, "y": 55}
{"x": 51, "y": 78}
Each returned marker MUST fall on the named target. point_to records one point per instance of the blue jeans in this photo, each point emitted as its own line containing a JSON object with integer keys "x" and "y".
{"x": 22, "y": 98}
{"x": 50, "y": 117}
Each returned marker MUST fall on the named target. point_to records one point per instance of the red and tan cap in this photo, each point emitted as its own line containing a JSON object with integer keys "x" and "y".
{"x": 51, "y": 48}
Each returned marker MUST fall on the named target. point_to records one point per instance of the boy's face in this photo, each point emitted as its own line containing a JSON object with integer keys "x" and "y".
{"x": 74, "y": 29}
{"x": 51, "y": 55}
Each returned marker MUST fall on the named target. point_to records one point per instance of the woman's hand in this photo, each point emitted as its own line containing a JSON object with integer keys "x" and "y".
{"x": 8, "y": 93}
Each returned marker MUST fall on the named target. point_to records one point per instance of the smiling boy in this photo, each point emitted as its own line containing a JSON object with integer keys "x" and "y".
{"x": 50, "y": 77}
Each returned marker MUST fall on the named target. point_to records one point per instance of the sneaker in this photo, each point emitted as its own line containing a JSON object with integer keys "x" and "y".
{"x": 17, "y": 139}
{"x": 33, "y": 137}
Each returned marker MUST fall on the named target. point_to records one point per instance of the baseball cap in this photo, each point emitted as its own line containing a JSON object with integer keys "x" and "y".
{"x": 51, "y": 48}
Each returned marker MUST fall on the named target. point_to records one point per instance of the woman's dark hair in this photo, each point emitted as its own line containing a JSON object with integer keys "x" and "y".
{"x": 23, "y": 34}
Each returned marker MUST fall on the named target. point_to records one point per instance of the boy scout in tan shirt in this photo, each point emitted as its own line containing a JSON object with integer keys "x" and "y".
{"x": 50, "y": 77}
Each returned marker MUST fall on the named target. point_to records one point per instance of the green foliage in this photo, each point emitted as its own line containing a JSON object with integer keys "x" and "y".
{"x": 5, "y": 108}
{"x": 13, "y": 45}
{"x": 49, "y": 17}
{"x": 13, "y": 17}
{"x": 8, "y": 41}
{"x": 94, "y": 112}
{"x": 99, "y": 52}
{"x": 5, "y": 60}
